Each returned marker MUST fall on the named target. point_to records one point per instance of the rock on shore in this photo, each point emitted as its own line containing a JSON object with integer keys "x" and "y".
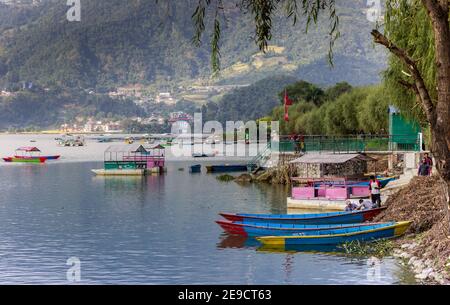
{"x": 427, "y": 247}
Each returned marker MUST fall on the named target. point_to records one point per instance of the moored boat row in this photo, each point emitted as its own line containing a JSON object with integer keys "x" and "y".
{"x": 283, "y": 231}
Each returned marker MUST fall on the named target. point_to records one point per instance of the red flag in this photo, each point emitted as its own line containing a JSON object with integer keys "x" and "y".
{"x": 287, "y": 100}
{"x": 286, "y": 113}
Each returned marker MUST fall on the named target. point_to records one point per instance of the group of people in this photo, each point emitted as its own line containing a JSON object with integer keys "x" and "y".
{"x": 363, "y": 205}
{"x": 375, "y": 196}
{"x": 426, "y": 166}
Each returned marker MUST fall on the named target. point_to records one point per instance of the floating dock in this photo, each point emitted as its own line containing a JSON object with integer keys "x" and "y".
{"x": 132, "y": 160}
{"x": 316, "y": 204}
{"x": 127, "y": 172}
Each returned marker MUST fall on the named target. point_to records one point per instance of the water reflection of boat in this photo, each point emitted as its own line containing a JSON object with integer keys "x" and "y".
{"x": 237, "y": 242}
{"x": 302, "y": 248}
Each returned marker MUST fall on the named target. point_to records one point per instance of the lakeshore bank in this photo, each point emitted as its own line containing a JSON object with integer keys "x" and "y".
{"x": 426, "y": 247}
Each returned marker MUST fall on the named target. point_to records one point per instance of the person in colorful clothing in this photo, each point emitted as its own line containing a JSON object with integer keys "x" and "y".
{"x": 375, "y": 191}
{"x": 429, "y": 161}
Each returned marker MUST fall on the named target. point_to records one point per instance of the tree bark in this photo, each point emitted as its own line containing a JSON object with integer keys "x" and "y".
{"x": 438, "y": 11}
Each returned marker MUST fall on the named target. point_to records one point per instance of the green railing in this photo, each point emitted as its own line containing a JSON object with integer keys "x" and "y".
{"x": 347, "y": 144}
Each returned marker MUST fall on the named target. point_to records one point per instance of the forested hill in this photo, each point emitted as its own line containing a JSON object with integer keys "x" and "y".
{"x": 248, "y": 103}
{"x": 141, "y": 41}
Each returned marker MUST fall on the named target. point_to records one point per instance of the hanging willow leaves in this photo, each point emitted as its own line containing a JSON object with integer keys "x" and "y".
{"x": 408, "y": 25}
{"x": 262, "y": 12}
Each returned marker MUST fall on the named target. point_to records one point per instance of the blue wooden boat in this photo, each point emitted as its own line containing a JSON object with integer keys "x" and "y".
{"x": 307, "y": 219}
{"x": 340, "y": 236}
{"x": 249, "y": 229}
{"x": 195, "y": 168}
{"x": 226, "y": 168}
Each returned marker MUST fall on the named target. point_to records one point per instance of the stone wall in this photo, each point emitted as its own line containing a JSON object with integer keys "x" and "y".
{"x": 347, "y": 169}
{"x": 309, "y": 170}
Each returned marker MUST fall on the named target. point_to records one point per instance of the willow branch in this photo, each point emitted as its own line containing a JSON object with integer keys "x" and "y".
{"x": 419, "y": 84}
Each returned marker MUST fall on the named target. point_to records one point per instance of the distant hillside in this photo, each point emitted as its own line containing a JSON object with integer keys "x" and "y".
{"x": 140, "y": 41}
{"x": 249, "y": 103}
{"x": 42, "y": 109}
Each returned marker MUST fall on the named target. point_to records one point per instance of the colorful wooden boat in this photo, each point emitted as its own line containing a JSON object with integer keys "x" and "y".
{"x": 266, "y": 229}
{"x": 24, "y": 160}
{"x": 226, "y": 168}
{"x": 340, "y": 236}
{"x": 307, "y": 219}
{"x": 32, "y": 153}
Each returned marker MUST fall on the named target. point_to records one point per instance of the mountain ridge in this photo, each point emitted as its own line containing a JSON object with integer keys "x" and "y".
{"x": 138, "y": 41}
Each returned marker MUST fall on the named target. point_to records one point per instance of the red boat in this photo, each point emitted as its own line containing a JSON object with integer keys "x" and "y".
{"x": 307, "y": 219}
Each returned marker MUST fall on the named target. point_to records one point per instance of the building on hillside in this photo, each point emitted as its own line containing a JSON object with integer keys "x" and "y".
{"x": 113, "y": 127}
{"x": 154, "y": 119}
{"x": 180, "y": 116}
{"x": 181, "y": 127}
{"x": 165, "y": 98}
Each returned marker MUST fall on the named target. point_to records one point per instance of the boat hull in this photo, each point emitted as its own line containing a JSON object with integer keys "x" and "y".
{"x": 307, "y": 219}
{"x": 24, "y": 160}
{"x": 39, "y": 157}
{"x": 195, "y": 169}
{"x": 339, "y": 237}
{"x": 226, "y": 168}
{"x": 259, "y": 229}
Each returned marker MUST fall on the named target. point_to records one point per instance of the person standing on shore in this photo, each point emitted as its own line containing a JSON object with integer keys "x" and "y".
{"x": 375, "y": 191}
{"x": 424, "y": 168}
{"x": 429, "y": 161}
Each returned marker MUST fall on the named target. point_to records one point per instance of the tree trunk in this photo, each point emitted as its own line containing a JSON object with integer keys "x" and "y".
{"x": 440, "y": 128}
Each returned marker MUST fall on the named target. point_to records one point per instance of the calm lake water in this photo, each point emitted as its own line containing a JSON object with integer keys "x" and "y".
{"x": 153, "y": 230}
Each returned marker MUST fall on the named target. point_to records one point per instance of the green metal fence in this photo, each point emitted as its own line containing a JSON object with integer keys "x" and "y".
{"x": 347, "y": 144}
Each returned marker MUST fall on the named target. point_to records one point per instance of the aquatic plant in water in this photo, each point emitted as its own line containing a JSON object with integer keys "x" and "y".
{"x": 381, "y": 248}
{"x": 225, "y": 178}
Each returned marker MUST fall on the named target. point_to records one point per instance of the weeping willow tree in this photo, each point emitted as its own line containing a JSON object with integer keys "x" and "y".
{"x": 407, "y": 24}
{"x": 416, "y": 32}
